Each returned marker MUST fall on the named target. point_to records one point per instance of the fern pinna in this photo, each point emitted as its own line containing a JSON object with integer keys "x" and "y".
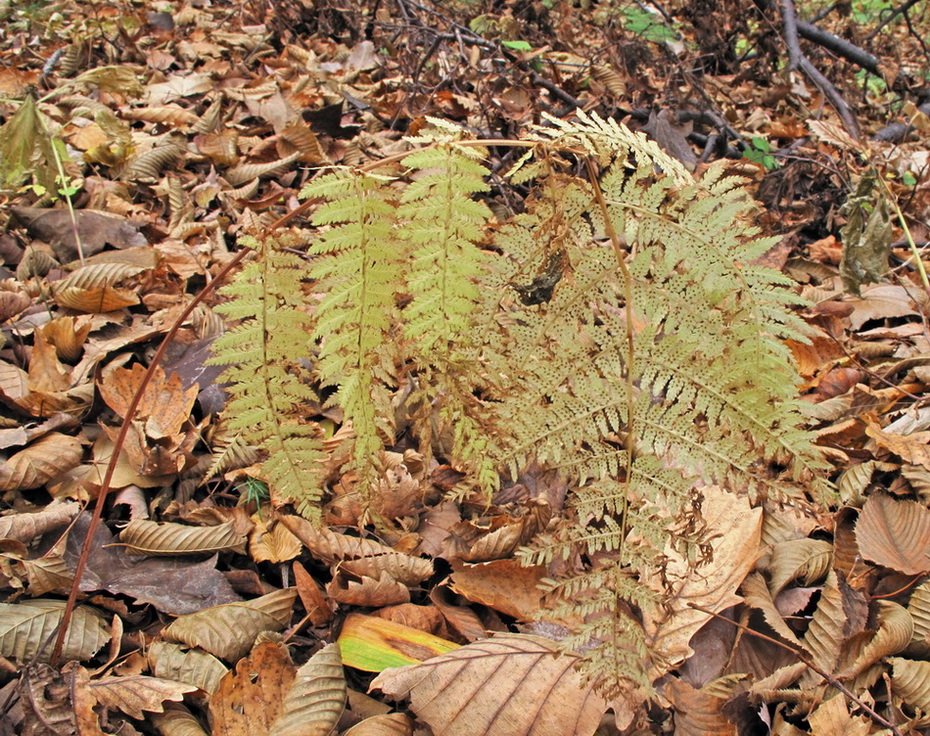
{"x": 615, "y": 329}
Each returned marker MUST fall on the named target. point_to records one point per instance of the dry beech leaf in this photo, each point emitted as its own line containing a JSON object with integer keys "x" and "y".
{"x": 504, "y": 585}
{"x": 832, "y": 718}
{"x": 371, "y": 593}
{"x": 329, "y": 546}
{"x": 229, "y": 630}
{"x": 42, "y": 461}
{"x": 97, "y": 300}
{"x": 806, "y": 560}
{"x": 12, "y": 303}
{"x": 312, "y": 597}
{"x": 895, "y": 534}
{"x": 758, "y": 595}
{"x": 403, "y": 568}
{"x": 25, "y": 626}
{"x": 193, "y": 666}
{"x": 895, "y": 629}
{"x": 67, "y": 337}
{"x": 177, "y": 721}
{"x": 495, "y": 687}
{"x": 910, "y": 682}
{"x": 824, "y": 636}
{"x": 386, "y": 724}
{"x": 29, "y": 527}
{"x": 276, "y": 545}
{"x": 317, "y": 697}
{"x": 98, "y": 274}
{"x": 165, "y": 538}
{"x": 919, "y": 608}
{"x": 734, "y": 531}
{"x": 136, "y": 694}
{"x": 697, "y": 712}
{"x": 911, "y": 447}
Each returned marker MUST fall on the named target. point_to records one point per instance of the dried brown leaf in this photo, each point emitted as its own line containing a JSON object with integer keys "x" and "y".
{"x": 136, "y": 694}
{"x": 895, "y": 534}
{"x": 166, "y": 538}
{"x": 229, "y": 630}
{"x": 42, "y": 461}
{"x": 493, "y": 687}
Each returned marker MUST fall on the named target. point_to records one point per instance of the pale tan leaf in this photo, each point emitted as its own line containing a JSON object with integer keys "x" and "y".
{"x": 229, "y": 630}
{"x": 177, "y": 721}
{"x": 895, "y": 629}
{"x": 895, "y": 534}
{"x": 387, "y": 724}
{"x": 919, "y": 608}
{"x": 47, "y": 574}
{"x": 733, "y": 530}
{"x": 193, "y": 666}
{"x": 505, "y": 585}
{"x": 29, "y": 527}
{"x": 910, "y": 681}
{"x": 832, "y": 718}
{"x": 329, "y": 546}
{"x": 97, "y": 300}
{"x": 316, "y": 698}
{"x": 135, "y": 694}
{"x": 166, "y": 538}
{"x": 493, "y": 687}
{"x": 277, "y": 545}
{"x": 405, "y": 569}
{"x": 42, "y": 461}
{"x": 25, "y": 626}
{"x": 806, "y": 560}
{"x": 757, "y": 595}
{"x": 385, "y": 591}
{"x": 246, "y": 172}
{"x": 98, "y": 274}
{"x": 824, "y": 637}
{"x": 171, "y": 114}
{"x": 697, "y": 712}
{"x": 781, "y": 678}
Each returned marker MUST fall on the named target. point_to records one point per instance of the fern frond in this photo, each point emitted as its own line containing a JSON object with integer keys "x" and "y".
{"x": 358, "y": 271}
{"x": 267, "y": 385}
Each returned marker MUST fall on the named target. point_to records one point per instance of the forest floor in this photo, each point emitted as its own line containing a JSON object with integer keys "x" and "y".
{"x": 141, "y": 140}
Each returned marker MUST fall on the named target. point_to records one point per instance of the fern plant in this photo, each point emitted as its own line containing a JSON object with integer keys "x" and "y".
{"x": 615, "y": 330}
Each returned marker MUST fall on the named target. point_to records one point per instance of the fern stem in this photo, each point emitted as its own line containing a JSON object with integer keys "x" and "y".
{"x": 628, "y": 296}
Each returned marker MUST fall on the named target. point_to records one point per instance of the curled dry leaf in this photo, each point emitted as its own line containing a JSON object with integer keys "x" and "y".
{"x": 910, "y": 682}
{"x": 919, "y": 608}
{"x": 405, "y": 569}
{"x": 229, "y": 630}
{"x": 385, "y": 591}
{"x": 493, "y": 687}
{"x": 42, "y": 461}
{"x": 895, "y": 534}
{"x": 895, "y": 628}
{"x": 317, "y": 697}
{"x": 135, "y": 694}
{"x": 387, "y": 724}
{"x": 177, "y": 721}
{"x": 824, "y": 637}
{"x": 165, "y": 538}
{"x": 806, "y": 560}
{"x": 329, "y": 546}
{"x": 193, "y": 666}
{"x": 698, "y": 712}
{"x": 25, "y": 627}
{"x": 29, "y": 527}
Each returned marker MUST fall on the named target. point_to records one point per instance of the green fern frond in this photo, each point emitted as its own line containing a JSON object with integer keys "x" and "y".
{"x": 267, "y": 385}
{"x": 358, "y": 271}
